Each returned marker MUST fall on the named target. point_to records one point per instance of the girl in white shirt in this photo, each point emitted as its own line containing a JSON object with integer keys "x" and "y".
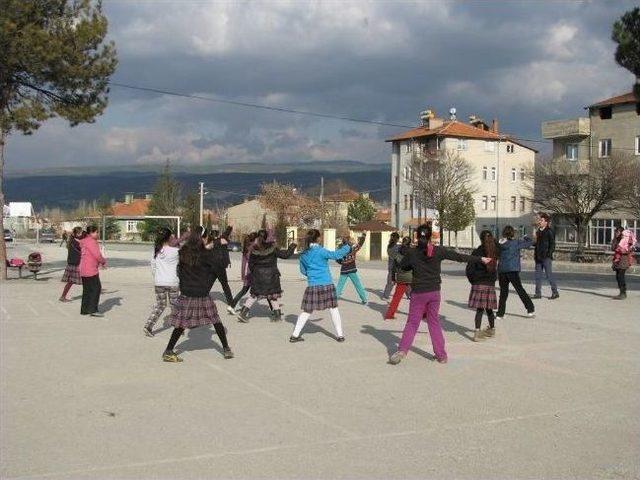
{"x": 164, "y": 266}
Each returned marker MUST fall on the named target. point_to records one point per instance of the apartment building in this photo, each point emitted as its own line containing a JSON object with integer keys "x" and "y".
{"x": 500, "y": 164}
{"x": 611, "y": 128}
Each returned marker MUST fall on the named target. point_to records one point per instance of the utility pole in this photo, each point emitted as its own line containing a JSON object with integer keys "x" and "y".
{"x": 321, "y": 202}
{"x": 201, "y": 203}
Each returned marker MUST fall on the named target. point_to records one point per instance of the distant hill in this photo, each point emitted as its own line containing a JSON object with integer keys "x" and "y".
{"x": 227, "y": 184}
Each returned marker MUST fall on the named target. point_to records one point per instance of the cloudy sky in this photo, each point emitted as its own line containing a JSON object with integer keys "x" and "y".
{"x": 522, "y": 62}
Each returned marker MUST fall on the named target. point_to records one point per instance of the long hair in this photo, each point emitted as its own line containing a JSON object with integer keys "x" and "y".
{"x": 312, "y": 237}
{"x": 162, "y": 237}
{"x": 489, "y": 247}
{"x": 393, "y": 239}
{"x": 191, "y": 250}
{"x": 248, "y": 241}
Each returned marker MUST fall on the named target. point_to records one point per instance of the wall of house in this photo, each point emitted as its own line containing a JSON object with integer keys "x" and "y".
{"x": 247, "y": 217}
{"x": 622, "y": 128}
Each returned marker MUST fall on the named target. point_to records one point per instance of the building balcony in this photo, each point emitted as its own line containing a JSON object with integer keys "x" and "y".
{"x": 575, "y": 127}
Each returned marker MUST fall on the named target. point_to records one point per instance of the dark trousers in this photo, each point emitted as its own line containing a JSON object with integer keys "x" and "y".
{"x": 91, "y": 288}
{"x": 622, "y": 284}
{"x": 224, "y": 282}
{"x": 546, "y": 266}
{"x": 239, "y": 295}
{"x": 513, "y": 278}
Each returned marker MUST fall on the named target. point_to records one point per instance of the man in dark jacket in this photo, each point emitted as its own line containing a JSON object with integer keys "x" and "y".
{"x": 545, "y": 244}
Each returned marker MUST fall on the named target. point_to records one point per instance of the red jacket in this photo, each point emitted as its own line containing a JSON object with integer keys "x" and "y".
{"x": 90, "y": 257}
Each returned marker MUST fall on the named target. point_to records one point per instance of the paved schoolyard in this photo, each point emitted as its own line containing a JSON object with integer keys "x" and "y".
{"x": 553, "y": 397}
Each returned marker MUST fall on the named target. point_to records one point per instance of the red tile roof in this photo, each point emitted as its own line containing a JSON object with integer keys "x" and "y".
{"x": 344, "y": 196}
{"x": 372, "y": 226}
{"x": 455, "y": 129}
{"x": 136, "y": 208}
{"x": 620, "y": 99}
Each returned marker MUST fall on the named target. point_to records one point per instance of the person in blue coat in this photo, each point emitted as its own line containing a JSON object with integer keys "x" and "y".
{"x": 320, "y": 293}
{"x": 509, "y": 270}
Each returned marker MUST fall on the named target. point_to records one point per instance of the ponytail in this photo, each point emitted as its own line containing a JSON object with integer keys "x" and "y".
{"x": 312, "y": 237}
{"x": 163, "y": 236}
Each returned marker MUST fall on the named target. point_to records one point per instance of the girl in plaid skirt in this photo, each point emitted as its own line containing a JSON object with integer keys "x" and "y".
{"x": 483, "y": 285}
{"x": 164, "y": 266}
{"x": 320, "y": 293}
{"x": 194, "y": 306}
{"x": 71, "y": 275}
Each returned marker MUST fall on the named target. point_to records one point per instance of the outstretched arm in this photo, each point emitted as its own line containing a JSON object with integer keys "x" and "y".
{"x": 450, "y": 254}
{"x": 337, "y": 254}
{"x": 286, "y": 253}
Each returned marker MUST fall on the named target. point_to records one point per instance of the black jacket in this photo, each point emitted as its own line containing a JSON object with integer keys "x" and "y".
{"x": 196, "y": 281}
{"x": 220, "y": 251}
{"x": 545, "y": 244}
{"x": 73, "y": 252}
{"x": 426, "y": 270}
{"x": 263, "y": 265}
{"x": 479, "y": 273}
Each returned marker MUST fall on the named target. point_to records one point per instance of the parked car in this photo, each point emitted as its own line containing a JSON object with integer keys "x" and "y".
{"x": 47, "y": 235}
{"x": 8, "y": 237}
{"x": 234, "y": 246}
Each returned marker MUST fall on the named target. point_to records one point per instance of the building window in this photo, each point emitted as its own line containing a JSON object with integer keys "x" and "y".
{"x": 605, "y": 113}
{"x": 513, "y": 203}
{"x": 462, "y": 144}
{"x": 493, "y": 203}
{"x": 510, "y": 148}
{"x": 604, "y": 148}
{"x": 523, "y": 204}
{"x": 638, "y": 145}
{"x": 397, "y": 180}
{"x": 484, "y": 202}
{"x": 407, "y": 147}
{"x": 485, "y": 172}
{"x": 489, "y": 146}
{"x": 522, "y": 174}
{"x": 439, "y": 143}
{"x": 514, "y": 175}
{"x": 406, "y": 202}
{"x": 132, "y": 226}
{"x": 407, "y": 173}
{"x": 411, "y": 202}
{"x": 493, "y": 173}
{"x": 522, "y": 230}
{"x": 571, "y": 151}
{"x": 602, "y": 231}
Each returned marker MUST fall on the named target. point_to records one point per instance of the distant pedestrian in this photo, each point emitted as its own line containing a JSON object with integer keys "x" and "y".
{"x": 349, "y": 270}
{"x": 320, "y": 293}
{"x": 623, "y": 245}
{"x": 392, "y": 249}
{"x": 91, "y": 260}
{"x": 402, "y": 279}
{"x": 265, "y": 276}
{"x": 65, "y": 237}
{"x": 71, "y": 275}
{"x": 425, "y": 262}
{"x": 195, "y": 307}
{"x": 483, "y": 285}
{"x": 509, "y": 270}
{"x": 164, "y": 267}
{"x": 545, "y": 245}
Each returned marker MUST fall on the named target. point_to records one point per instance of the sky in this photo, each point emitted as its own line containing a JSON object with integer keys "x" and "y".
{"x": 521, "y": 62}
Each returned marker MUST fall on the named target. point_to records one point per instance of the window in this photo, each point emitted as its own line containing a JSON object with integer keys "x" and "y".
{"x": 493, "y": 173}
{"x": 493, "y": 203}
{"x": 522, "y": 230}
{"x": 406, "y": 202}
{"x": 407, "y": 173}
{"x": 602, "y": 231}
{"x": 132, "y": 226}
{"x": 514, "y": 175}
{"x": 462, "y": 144}
{"x": 485, "y": 171}
{"x": 510, "y": 148}
{"x": 638, "y": 145}
{"x": 439, "y": 143}
{"x": 397, "y": 180}
{"x": 604, "y": 148}
{"x": 571, "y": 151}
{"x": 522, "y": 174}
{"x": 605, "y": 113}
{"x": 489, "y": 146}
{"x": 407, "y": 147}
{"x": 523, "y": 204}
{"x": 484, "y": 202}
{"x": 411, "y": 202}
{"x": 513, "y": 203}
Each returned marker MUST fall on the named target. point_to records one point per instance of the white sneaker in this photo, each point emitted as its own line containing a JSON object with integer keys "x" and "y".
{"x": 231, "y": 310}
{"x": 499, "y": 318}
{"x": 531, "y": 314}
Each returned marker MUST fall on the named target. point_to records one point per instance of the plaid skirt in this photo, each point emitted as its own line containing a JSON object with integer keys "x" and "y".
{"x": 271, "y": 296}
{"x": 72, "y": 275}
{"x": 319, "y": 298}
{"x": 483, "y": 296}
{"x": 192, "y": 312}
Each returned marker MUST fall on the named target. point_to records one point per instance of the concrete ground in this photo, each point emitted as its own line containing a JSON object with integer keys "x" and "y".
{"x": 552, "y": 397}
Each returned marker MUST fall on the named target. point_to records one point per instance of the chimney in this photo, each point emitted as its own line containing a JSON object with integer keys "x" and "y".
{"x": 429, "y": 119}
{"x": 495, "y": 126}
{"x": 128, "y": 198}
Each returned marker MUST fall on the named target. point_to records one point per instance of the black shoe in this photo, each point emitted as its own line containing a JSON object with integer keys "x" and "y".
{"x": 243, "y": 316}
{"x": 293, "y": 339}
{"x": 147, "y": 331}
{"x": 554, "y": 296}
{"x": 277, "y": 316}
{"x": 536, "y": 296}
{"x": 340, "y": 339}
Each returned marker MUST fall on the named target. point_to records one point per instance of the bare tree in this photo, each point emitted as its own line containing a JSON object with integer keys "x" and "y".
{"x": 631, "y": 203}
{"x": 578, "y": 191}
{"x": 440, "y": 180}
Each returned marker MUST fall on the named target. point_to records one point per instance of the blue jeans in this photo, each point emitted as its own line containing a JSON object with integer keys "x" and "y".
{"x": 355, "y": 279}
{"x": 548, "y": 270}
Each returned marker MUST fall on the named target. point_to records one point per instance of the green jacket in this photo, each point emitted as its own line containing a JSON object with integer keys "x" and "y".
{"x": 400, "y": 276}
